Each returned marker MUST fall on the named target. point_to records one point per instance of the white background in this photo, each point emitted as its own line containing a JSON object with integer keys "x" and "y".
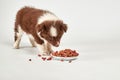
{"x": 93, "y": 30}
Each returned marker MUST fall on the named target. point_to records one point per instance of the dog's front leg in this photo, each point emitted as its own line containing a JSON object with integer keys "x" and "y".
{"x": 40, "y": 44}
{"x": 42, "y": 49}
{"x": 49, "y": 48}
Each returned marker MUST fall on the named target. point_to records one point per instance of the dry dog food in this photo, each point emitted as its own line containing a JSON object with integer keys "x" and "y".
{"x": 30, "y": 59}
{"x": 65, "y": 53}
{"x": 49, "y": 58}
{"x": 43, "y": 58}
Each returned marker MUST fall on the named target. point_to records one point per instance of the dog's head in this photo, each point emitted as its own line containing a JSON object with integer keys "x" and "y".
{"x": 52, "y": 31}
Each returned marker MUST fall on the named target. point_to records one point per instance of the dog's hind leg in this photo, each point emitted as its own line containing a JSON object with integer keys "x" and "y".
{"x": 17, "y": 36}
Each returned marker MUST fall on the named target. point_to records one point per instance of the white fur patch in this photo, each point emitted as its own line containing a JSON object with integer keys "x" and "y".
{"x": 39, "y": 35}
{"x": 20, "y": 32}
{"x": 47, "y": 17}
{"x": 53, "y": 31}
{"x": 45, "y": 42}
{"x": 30, "y": 36}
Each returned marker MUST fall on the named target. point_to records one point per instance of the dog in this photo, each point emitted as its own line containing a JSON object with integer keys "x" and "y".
{"x": 43, "y": 28}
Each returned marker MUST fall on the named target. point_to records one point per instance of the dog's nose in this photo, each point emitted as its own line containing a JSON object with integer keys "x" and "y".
{"x": 58, "y": 43}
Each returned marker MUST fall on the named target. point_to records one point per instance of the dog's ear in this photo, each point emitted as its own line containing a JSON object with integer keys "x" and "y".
{"x": 64, "y": 27}
{"x": 41, "y": 27}
{"x": 61, "y": 25}
{"x": 44, "y": 26}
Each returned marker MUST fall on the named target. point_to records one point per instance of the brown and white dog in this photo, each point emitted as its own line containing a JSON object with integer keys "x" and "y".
{"x": 43, "y": 28}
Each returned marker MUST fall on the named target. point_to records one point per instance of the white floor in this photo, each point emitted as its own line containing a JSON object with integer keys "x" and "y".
{"x": 96, "y": 62}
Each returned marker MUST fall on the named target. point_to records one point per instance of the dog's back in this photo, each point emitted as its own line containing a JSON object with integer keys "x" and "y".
{"x": 27, "y": 17}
